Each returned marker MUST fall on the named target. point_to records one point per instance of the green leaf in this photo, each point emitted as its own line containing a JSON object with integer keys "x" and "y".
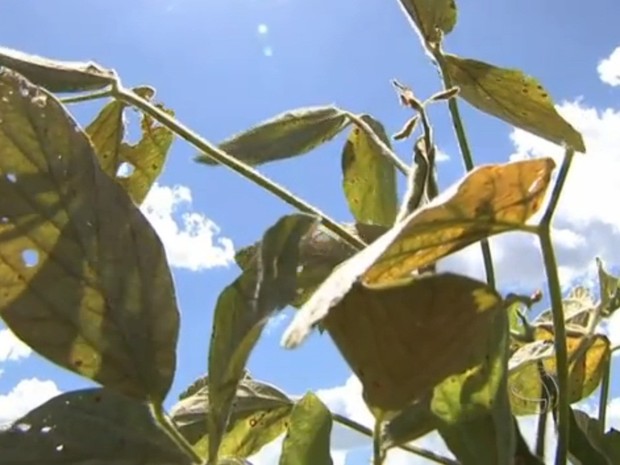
{"x": 609, "y": 287}
{"x": 513, "y": 97}
{"x": 288, "y": 134}
{"x": 369, "y": 178}
{"x": 380, "y": 331}
{"x": 490, "y": 200}
{"x": 413, "y": 422}
{"x": 307, "y": 441}
{"x": 428, "y": 16}
{"x": 89, "y": 426}
{"x": 55, "y": 75}
{"x": 84, "y": 276}
{"x": 241, "y": 313}
{"x": 523, "y": 454}
{"x": 611, "y": 445}
{"x": 581, "y": 446}
{"x": 258, "y": 415}
{"x": 146, "y": 158}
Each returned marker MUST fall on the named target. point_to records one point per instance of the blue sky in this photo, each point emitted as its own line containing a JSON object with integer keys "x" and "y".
{"x": 223, "y": 65}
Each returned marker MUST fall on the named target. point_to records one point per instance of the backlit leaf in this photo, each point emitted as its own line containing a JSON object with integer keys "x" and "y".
{"x": 90, "y": 426}
{"x": 578, "y": 308}
{"x": 490, "y": 200}
{"x": 294, "y": 132}
{"x": 369, "y": 178}
{"x": 83, "y": 276}
{"x": 403, "y": 340}
{"x": 242, "y": 310}
{"x": 585, "y": 373}
{"x": 307, "y": 441}
{"x": 56, "y": 75}
{"x": 513, "y": 97}
{"x": 609, "y": 287}
{"x": 259, "y": 414}
{"x": 428, "y": 16}
{"x": 145, "y": 159}
{"x": 413, "y": 422}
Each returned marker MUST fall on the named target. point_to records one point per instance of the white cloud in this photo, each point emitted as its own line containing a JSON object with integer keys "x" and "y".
{"x": 609, "y": 68}
{"x": 28, "y": 394}
{"x": 11, "y": 348}
{"x": 191, "y": 241}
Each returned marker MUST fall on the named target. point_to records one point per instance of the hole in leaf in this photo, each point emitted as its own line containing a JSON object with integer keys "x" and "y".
{"x": 60, "y": 447}
{"x": 4, "y": 220}
{"x": 11, "y": 177}
{"x": 23, "y": 427}
{"x": 125, "y": 170}
{"x": 46, "y": 429}
{"x": 30, "y": 257}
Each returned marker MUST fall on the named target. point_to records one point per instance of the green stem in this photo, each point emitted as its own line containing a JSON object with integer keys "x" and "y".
{"x": 378, "y": 454}
{"x": 468, "y": 160}
{"x": 409, "y": 448}
{"x": 387, "y": 152}
{"x": 86, "y": 97}
{"x": 557, "y": 189}
{"x": 237, "y": 166}
{"x": 168, "y": 427}
{"x": 604, "y": 396}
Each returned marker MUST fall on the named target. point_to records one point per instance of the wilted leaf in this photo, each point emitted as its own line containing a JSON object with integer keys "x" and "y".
{"x": 428, "y": 16}
{"x": 585, "y": 373}
{"x": 490, "y": 200}
{"x": 285, "y": 135}
{"x": 259, "y": 414}
{"x": 243, "y": 309}
{"x": 90, "y": 426}
{"x": 578, "y": 308}
{"x": 369, "y": 178}
{"x": 411, "y": 423}
{"x": 402, "y": 341}
{"x": 307, "y": 441}
{"x": 581, "y": 441}
{"x": 83, "y": 276}
{"x": 513, "y": 97}
{"x": 56, "y": 75}
{"x": 609, "y": 287}
{"x": 145, "y": 159}
{"x": 473, "y": 406}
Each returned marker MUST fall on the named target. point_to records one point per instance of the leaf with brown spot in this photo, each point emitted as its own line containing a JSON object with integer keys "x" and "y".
{"x": 89, "y": 426}
{"x": 436, "y": 325}
{"x": 99, "y": 300}
{"x": 57, "y": 75}
{"x": 288, "y": 134}
{"x": 428, "y": 16}
{"x": 513, "y": 97}
{"x": 146, "y": 158}
{"x": 585, "y": 373}
{"x": 369, "y": 178}
{"x": 491, "y": 199}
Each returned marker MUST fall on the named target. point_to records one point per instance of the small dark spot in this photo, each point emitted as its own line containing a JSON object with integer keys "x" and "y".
{"x": 539, "y": 87}
{"x": 97, "y": 399}
{"x": 78, "y": 363}
{"x": 544, "y": 95}
{"x": 253, "y": 422}
{"x": 154, "y": 166}
{"x": 524, "y": 90}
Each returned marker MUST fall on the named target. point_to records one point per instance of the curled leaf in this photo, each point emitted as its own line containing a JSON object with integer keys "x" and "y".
{"x": 56, "y": 75}
{"x": 83, "y": 276}
{"x": 513, "y": 97}
{"x": 407, "y": 129}
{"x": 294, "y": 132}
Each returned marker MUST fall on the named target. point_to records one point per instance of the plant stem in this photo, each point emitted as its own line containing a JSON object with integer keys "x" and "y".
{"x": 378, "y": 455}
{"x": 86, "y": 97}
{"x": 409, "y": 448}
{"x": 468, "y": 160}
{"x": 168, "y": 427}
{"x": 555, "y": 292}
{"x": 604, "y": 396}
{"x": 232, "y": 163}
{"x": 387, "y": 152}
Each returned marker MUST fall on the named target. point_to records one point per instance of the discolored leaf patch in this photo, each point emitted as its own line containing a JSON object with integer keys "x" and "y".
{"x": 242, "y": 310}
{"x": 525, "y": 384}
{"x": 259, "y": 414}
{"x": 307, "y": 441}
{"x": 431, "y": 16}
{"x": 490, "y": 200}
{"x": 402, "y": 341}
{"x": 57, "y": 75}
{"x": 369, "y": 178}
{"x": 286, "y": 135}
{"x": 145, "y": 159}
{"x": 84, "y": 279}
{"x": 89, "y": 426}
{"x": 513, "y": 97}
